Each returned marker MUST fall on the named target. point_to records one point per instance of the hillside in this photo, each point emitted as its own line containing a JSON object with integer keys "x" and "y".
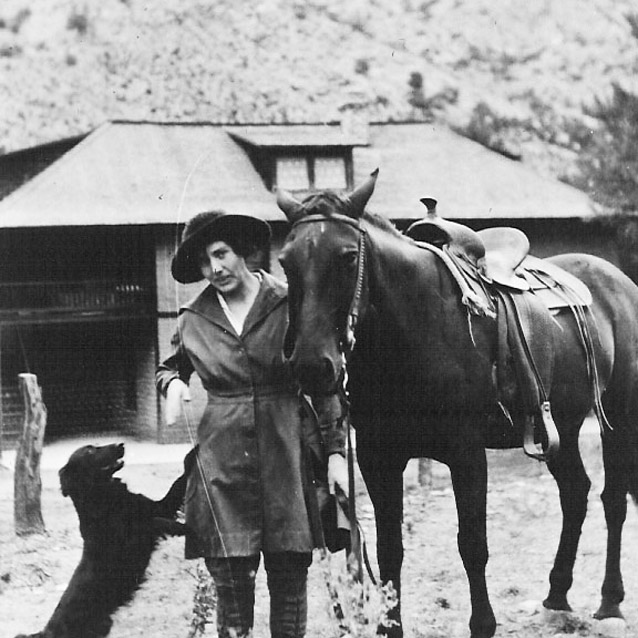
{"x": 67, "y": 66}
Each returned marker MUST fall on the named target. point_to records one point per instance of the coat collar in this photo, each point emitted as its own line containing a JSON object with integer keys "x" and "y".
{"x": 272, "y": 293}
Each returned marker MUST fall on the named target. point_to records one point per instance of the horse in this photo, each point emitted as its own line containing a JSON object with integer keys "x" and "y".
{"x": 366, "y": 299}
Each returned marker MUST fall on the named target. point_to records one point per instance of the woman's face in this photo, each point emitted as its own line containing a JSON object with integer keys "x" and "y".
{"x": 223, "y": 267}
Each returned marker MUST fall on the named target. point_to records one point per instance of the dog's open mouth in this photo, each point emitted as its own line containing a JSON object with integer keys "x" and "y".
{"x": 116, "y": 466}
{"x": 116, "y": 462}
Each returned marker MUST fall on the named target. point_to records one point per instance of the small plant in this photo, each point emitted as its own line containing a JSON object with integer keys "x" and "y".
{"x": 19, "y": 19}
{"x": 362, "y": 66}
{"x": 632, "y": 19}
{"x": 78, "y": 21}
{"x": 204, "y": 602}
{"x": 358, "y": 608}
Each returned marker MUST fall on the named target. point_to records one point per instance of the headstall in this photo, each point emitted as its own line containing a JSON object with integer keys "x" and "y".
{"x": 355, "y": 305}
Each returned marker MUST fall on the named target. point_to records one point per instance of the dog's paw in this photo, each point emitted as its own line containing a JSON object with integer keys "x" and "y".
{"x": 168, "y": 527}
{"x": 190, "y": 459}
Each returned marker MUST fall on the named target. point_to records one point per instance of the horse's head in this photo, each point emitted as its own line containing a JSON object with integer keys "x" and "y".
{"x": 323, "y": 258}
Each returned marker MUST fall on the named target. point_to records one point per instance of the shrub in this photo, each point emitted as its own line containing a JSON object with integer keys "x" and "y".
{"x": 608, "y": 162}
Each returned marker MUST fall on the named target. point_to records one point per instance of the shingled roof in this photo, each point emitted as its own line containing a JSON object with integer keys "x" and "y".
{"x": 468, "y": 180}
{"x": 158, "y": 173}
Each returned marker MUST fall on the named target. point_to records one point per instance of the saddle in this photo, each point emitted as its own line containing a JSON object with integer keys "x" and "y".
{"x": 498, "y": 278}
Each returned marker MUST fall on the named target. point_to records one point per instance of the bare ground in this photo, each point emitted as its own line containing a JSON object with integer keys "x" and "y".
{"x": 523, "y": 525}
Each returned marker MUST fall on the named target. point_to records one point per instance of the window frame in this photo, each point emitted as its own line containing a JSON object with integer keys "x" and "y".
{"x": 311, "y": 154}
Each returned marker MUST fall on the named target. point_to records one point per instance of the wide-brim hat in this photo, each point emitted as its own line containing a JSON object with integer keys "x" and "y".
{"x": 206, "y": 227}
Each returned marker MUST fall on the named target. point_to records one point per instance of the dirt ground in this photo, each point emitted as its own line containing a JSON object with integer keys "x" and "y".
{"x": 523, "y": 525}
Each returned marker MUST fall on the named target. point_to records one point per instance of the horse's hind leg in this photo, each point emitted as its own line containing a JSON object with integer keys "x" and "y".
{"x": 617, "y": 457}
{"x": 573, "y": 485}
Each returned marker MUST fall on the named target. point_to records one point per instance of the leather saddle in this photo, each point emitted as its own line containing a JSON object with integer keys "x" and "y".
{"x": 499, "y": 278}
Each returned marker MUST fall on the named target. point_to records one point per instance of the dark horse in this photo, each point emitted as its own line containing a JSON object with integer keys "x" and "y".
{"x": 420, "y": 381}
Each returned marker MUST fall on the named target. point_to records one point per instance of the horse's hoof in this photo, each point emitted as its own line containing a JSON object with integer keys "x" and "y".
{"x": 556, "y": 604}
{"x": 486, "y": 629}
{"x": 390, "y": 631}
{"x": 608, "y": 610}
{"x": 611, "y": 628}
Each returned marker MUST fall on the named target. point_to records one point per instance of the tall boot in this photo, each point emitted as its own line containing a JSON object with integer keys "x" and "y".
{"x": 287, "y": 583}
{"x": 235, "y": 587}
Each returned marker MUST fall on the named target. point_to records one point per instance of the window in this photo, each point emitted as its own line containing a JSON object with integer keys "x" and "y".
{"x": 292, "y": 173}
{"x": 305, "y": 173}
{"x": 330, "y": 172}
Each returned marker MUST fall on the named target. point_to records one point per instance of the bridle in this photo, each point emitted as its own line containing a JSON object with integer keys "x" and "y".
{"x": 358, "y": 549}
{"x": 354, "y": 311}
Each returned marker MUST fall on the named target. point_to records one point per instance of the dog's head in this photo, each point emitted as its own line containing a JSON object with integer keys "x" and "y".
{"x": 91, "y": 465}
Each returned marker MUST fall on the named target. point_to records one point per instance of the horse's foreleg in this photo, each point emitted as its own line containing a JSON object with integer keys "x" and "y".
{"x": 573, "y": 485}
{"x": 614, "y": 498}
{"x": 469, "y": 480}
{"x": 384, "y": 480}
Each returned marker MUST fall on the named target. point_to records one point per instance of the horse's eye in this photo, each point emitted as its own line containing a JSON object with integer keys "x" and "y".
{"x": 349, "y": 258}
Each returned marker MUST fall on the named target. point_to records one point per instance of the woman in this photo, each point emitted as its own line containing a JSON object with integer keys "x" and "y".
{"x": 250, "y": 494}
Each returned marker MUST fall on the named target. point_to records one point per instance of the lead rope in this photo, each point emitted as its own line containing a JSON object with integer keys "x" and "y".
{"x": 358, "y": 546}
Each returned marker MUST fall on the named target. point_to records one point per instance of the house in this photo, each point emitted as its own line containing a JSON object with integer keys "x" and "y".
{"x": 88, "y": 227}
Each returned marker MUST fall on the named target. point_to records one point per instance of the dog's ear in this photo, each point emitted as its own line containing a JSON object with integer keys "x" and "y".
{"x": 72, "y": 480}
{"x": 66, "y": 480}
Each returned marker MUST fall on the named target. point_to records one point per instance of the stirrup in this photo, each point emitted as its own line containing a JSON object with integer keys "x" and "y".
{"x": 533, "y": 449}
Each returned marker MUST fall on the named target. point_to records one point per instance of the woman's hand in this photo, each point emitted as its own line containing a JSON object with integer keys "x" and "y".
{"x": 337, "y": 473}
{"x": 176, "y": 393}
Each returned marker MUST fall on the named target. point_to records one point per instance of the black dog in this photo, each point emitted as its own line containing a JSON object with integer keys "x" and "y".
{"x": 120, "y": 531}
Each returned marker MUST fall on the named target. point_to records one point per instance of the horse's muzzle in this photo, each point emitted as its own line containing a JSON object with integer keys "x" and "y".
{"x": 316, "y": 377}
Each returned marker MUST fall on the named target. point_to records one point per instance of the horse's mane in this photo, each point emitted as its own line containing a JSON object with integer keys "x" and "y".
{"x": 329, "y": 203}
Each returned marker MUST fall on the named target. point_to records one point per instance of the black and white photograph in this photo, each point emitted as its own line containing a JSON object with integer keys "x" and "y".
{"x": 318, "y": 319}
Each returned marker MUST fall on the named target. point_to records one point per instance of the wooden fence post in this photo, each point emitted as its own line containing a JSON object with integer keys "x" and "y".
{"x": 425, "y": 473}
{"x": 27, "y": 510}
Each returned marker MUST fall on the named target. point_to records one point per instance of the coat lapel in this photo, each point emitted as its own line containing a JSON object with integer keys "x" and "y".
{"x": 207, "y": 305}
{"x": 272, "y": 292}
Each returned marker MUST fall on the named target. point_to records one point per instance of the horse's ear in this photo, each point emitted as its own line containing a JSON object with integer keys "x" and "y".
{"x": 293, "y": 208}
{"x": 360, "y": 196}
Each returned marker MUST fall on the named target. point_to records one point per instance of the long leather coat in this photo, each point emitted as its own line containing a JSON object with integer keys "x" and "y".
{"x": 250, "y": 491}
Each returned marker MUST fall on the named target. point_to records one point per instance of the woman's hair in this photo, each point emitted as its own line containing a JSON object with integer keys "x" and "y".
{"x": 242, "y": 246}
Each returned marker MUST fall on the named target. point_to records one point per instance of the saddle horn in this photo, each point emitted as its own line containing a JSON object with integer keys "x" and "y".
{"x": 360, "y": 196}
{"x": 293, "y": 208}
{"x": 430, "y": 204}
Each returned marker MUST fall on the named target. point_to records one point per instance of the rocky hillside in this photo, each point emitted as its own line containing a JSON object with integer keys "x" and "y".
{"x": 514, "y": 74}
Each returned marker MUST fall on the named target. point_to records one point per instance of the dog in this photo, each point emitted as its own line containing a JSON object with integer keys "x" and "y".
{"x": 120, "y": 530}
